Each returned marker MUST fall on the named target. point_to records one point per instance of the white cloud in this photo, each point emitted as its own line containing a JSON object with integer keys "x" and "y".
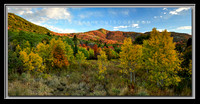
{"x": 59, "y": 30}
{"x": 20, "y": 11}
{"x": 42, "y": 15}
{"x": 165, "y": 9}
{"x": 164, "y": 13}
{"x": 135, "y": 25}
{"x": 117, "y": 27}
{"x": 160, "y": 30}
{"x": 155, "y": 17}
{"x": 160, "y": 16}
{"x": 177, "y": 11}
{"x": 143, "y": 22}
{"x": 55, "y": 13}
{"x": 184, "y": 28}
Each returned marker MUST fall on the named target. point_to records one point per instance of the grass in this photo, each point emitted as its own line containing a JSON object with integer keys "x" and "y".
{"x": 79, "y": 82}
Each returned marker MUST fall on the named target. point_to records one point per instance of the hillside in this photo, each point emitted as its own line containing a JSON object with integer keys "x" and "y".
{"x": 178, "y": 36}
{"x": 17, "y": 23}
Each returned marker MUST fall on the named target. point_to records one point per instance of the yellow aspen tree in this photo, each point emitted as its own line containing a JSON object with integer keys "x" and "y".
{"x": 102, "y": 63}
{"x": 130, "y": 58}
{"x": 161, "y": 59}
{"x": 32, "y": 61}
{"x": 27, "y": 47}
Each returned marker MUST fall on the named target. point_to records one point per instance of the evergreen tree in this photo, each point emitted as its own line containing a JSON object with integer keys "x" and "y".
{"x": 75, "y": 45}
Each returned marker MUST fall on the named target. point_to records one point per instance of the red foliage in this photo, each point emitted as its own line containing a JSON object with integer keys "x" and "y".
{"x": 83, "y": 45}
{"x": 95, "y": 47}
{"x": 111, "y": 47}
{"x": 60, "y": 59}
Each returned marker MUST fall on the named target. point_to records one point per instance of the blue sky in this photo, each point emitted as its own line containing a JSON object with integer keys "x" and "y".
{"x": 68, "y": 20}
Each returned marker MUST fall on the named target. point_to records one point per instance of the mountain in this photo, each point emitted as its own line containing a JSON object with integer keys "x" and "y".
{"x": 178, "y": 36}
{"x": 17, "y": 23}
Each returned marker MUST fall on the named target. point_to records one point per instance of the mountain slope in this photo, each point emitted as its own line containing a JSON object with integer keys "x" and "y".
{"x": 178, "y": 36}
{"x": 17, "y": 23}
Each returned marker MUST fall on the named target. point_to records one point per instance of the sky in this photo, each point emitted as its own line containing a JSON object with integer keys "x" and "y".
{"x": 135, "y": 19}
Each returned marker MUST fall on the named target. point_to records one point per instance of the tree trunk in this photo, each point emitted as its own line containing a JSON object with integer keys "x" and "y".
{"x": 134, "y": 77}
{"x": 131, "y": 77}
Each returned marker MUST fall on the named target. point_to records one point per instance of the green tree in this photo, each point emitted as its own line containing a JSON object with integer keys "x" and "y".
{"x": 85, "y": 51}
{"x": 140, "y": 39}
{"x": 80, "y": 57}
{"x": 69, "y": 52}
{"x": 75, "y": 45}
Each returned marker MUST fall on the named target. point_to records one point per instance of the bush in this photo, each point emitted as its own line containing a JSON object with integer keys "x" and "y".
{"x": 26, "y": 77}
{"x": 75, "y": 77}
{"x": 85, "y": 51}
{"x": 115, "y": 91}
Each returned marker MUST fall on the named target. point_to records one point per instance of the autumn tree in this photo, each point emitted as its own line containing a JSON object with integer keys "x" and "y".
{"x": 130, "y": 58}
{"x": 58, "y": 53}
{"x": 102, "y": 63}
{"x": 95, "y": 47}
{"x": 161, "y": 60}
{"x": 32, "y": 62}
{"x": 110, "y": 53}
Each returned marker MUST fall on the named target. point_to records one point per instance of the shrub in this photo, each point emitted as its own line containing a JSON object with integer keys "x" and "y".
{"x": 115, "y": 91}
{"x": 75, "y": 77}
{"x": 84, "y": 51}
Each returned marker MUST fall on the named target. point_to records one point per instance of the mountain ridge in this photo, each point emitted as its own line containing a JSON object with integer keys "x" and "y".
{"x": 17, "y": 23}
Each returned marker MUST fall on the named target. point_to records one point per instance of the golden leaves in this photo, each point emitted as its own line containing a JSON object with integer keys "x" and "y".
{"x": 102, "y": 62}
{"x": 161, "y": 58}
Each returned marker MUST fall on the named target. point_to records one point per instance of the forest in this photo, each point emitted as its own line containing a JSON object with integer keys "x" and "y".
{"x": 42, "y": 64}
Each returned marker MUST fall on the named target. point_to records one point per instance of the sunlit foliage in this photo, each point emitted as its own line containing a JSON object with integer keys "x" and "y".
{"x": 161, "y": 59}
{"x": 32, "y": 61}
{"x": 130, "y": 57}
{"x": 102, "y": 62}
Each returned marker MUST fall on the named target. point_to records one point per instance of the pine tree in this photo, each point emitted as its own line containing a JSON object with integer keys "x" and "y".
{"x": 75, "y": 45}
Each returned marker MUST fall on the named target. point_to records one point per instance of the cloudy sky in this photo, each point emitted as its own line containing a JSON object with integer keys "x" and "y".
{"x": 68, "y": 20}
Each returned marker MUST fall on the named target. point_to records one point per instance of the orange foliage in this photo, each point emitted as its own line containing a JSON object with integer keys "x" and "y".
{"x": 95, "y": 47}
{"x": 111, "y": 47}
{"x": 60, "y": 59}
